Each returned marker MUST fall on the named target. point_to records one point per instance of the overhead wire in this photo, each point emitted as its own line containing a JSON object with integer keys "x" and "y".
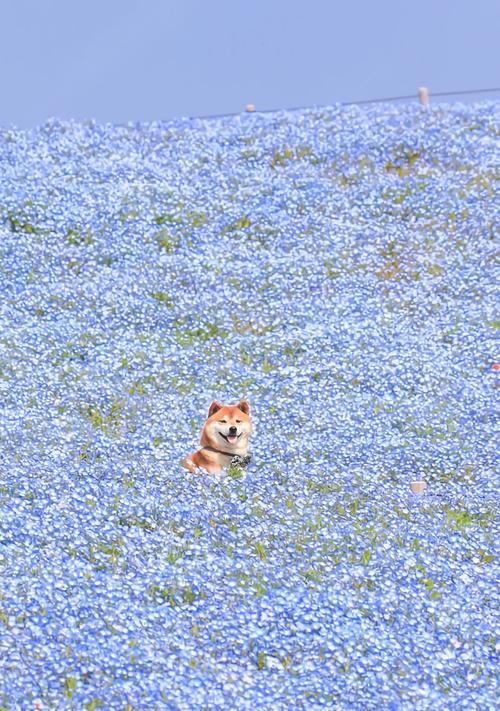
{"x": 356, "y": 102}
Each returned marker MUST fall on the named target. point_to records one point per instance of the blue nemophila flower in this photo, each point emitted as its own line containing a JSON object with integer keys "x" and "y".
{"x": 335, "y": 267}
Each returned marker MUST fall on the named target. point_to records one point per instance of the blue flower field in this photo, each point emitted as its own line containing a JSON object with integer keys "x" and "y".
{"x": 336, "y": 267}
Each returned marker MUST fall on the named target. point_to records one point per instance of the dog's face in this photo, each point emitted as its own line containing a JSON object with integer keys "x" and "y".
{"x": 228, "y": 426}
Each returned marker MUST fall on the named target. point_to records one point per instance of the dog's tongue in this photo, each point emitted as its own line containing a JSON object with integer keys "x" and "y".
{"x": 232, "y": 439}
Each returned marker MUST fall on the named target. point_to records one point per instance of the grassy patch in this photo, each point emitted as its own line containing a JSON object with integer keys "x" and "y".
{"x": 167, "y": 242}
{"x": 163, "y": 298}
{"x": 77, "y": 238}
{"x": 175, "y": 595}
{"x": 18, "y": 222}
{"x": 186, "y": 333}
{"x": 113, "y": 420}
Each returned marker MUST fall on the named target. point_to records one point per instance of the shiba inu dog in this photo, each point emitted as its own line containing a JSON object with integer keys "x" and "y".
{"x": 224, "y": 439}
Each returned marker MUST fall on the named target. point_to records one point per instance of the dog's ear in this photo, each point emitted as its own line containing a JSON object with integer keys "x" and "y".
{"x": 214, "y": 407}
{"x": 244, "y": 406}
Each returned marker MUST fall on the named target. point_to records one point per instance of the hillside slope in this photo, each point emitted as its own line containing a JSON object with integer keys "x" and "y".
{"x": 334, "y": 266}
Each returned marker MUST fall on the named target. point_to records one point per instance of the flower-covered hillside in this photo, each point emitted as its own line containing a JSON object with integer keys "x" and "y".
{"x": 336, "y": 268}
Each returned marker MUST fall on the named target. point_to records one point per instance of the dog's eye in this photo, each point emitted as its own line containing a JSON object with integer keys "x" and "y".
{"x": 238, "y": 422}
{"x": 223, "y": 422}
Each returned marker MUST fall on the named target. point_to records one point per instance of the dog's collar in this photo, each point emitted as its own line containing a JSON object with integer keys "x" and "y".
{"x": 242, "y": 460}
{"x": 219, "y": 451}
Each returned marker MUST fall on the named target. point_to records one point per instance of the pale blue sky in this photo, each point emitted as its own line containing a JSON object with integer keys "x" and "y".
{"x": 121, "y": 60}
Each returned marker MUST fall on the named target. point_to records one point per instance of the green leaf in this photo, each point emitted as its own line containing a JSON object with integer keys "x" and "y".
{"x": 260, "y": 550}
{"x": 94, "y": 704}
{"x": 365, "y": 558}
{"x": 69, "y": 686}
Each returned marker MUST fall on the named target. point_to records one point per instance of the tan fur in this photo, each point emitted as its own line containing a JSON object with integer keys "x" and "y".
{"x": 214, "y": 434}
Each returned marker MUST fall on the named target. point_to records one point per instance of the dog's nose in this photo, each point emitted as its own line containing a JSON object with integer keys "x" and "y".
{"x": 233, "y": 429}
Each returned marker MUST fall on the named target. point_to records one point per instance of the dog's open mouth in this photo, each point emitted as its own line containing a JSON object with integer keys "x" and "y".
{"x": 231, "y": 438}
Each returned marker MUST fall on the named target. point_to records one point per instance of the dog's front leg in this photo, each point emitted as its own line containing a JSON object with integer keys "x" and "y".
{"x": 188, "y": 464}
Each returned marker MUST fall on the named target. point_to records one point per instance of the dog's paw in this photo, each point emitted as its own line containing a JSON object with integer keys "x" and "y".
{"x": 188, "y": 464}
